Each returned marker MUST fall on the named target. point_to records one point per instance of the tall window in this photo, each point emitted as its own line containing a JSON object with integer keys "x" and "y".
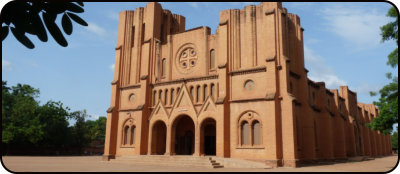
{"x": 126, "y": 133}
{"x": 133, "y": 129}
{"x": 205, "y": 92}
{"x": 256, "y": 133}
{"x": 155, "y": 98}
{"x": 192, "y": 91}
{"x": 133, "y": 36}
{"x": 172, "y": 96}
{"x": 160, "y": 95}
{"x": 212, "y": 59}
{"x": 163, "y": 67}
{"x": 166, "y": 97}
{"x": 245, "y": 132}
{"x": 198, "y": 94}
{"x": 212, "y": 93}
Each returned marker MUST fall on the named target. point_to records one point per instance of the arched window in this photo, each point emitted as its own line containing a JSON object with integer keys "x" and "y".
{"x": 133, "y": 129}
{"x": 155, "y": 98}
{"x": 160, "y": 95}
{"x": 163, "y": 67}
{"x": 256, "y": 133}
{"x": 212, "y": 59}
{"x": 205, "y": 93}
{"x": 198, "y": 94}
{"x": 126, "y": 133}
{"x": 179, "y": 89}
{"x": 172, "y": 96}
{"x": 192, "y": 91}
{"x": 212, "y": 90}
{"x": 166, "y": 97}
{"x": 245, "y": 132}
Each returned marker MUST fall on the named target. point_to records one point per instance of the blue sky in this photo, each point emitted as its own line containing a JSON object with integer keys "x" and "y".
{"x": 342, "y": 47}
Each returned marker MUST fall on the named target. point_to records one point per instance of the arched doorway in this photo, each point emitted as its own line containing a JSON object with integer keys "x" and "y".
{"x": 208, "y": 137}
{"x": 183, "y": 129}
{"x": 158, "y": 140}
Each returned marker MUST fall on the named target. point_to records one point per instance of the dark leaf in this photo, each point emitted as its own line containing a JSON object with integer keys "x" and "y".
{"x": 4, "y": 32}
{"x": 49, "y": 21}
{"x": 22, "y": 38}
{"x": 66, "y": 24}
{"x": 77, "y": 19}
{"x": 56, "y": 7}
{"x": 80, "y": 3}
{"x": 73, "y": 7}
{"x": 39, "y": 27}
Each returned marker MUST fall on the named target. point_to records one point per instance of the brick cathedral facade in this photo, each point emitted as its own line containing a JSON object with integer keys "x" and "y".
{"x": 242, "y": 92}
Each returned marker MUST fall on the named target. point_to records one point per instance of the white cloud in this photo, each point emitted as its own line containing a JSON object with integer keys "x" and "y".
{"x": 319, "y": 71}
{"x": 92, "y": 27}
{"x": 365, "y": 88}
{"x": 361, "y": 28}
{"x": 193, "y": 4}
{"x": 6, "y": 65}
{"x": 112, "y": 67}
{"x": 113, "y": 15}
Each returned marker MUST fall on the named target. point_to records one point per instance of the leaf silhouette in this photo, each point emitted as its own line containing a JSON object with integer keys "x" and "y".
{"x": 22, "y": 38}
{"x": 66, "y": 24}
{"x": 49, "y": 20}
{"x": 77, "y": 19}
{"x": 4, "y": 32}
{"x": 73, "y": 7}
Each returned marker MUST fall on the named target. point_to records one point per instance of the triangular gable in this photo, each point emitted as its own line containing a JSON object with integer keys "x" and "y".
{"x": 209, "y": 105}
{"x": 159, "y": 109}
{"x": 183, "y": 100}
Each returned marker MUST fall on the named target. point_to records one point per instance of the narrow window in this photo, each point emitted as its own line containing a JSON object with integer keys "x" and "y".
{"x": 133, "y": 129}
{"x": 212, "y": 59}
{"x": 256, "y": 133}
{"x": 155, "y": 98}
{"x": 172, "y": 96}
{"x": 160, "y": 96}
{"x": 163, "y": 67}
{"x": 205, "y": 92}
{"x": 126, "y": 132}
{"x": 143, "y": 32}
{"x": 212, "y": 90}
{"x": 245, "y": 133}
{"x": 166, "y": 97}
{"x": 192, "y": 91}
{"x": 179, "y": 89}
{"x": 198, "y": 94}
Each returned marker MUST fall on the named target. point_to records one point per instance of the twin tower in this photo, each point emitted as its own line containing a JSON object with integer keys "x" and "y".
{"x": 242, "y": 92}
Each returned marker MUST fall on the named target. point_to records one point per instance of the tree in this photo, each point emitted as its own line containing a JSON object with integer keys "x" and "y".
{"x": 395, "y": 141}
{"x": 25, "y": 17}
{"x": 388, "y": 101}
{"x": 80, "y": 129}
{"x": 97, "y": 129}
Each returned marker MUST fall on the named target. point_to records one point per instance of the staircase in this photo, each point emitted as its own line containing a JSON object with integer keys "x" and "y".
{"x": 162, "y": 160}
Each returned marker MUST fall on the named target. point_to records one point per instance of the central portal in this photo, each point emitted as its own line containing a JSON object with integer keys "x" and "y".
{"x": 184, "y": 135}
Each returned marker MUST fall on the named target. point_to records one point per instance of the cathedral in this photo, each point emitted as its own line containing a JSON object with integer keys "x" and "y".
{"x": 242, "y": 92}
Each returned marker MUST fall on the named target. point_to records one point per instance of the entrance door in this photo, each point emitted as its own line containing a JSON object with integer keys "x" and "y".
{"x": 159, "y": 138}
{"x": 184, "y": 136}
{"x": 209, "y": 137}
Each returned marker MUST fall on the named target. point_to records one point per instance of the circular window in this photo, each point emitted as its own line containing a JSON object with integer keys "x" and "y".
{"x": 132, "y": 98}
{"x": 249, "y": 85}
{"x": 186, "y": 58}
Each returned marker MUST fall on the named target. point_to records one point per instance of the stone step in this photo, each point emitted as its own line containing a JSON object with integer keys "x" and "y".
{"x": 162, "y": 160}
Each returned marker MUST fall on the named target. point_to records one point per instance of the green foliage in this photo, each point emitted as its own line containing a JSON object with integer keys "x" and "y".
{"x": 388, "y": 101}
{"x": 395, "y": 140}
{"x": 27, "y": 124}
{"x": 25, "y": 17}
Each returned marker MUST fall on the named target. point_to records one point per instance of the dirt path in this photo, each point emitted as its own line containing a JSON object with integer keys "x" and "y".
{"x": 94, "y": 163}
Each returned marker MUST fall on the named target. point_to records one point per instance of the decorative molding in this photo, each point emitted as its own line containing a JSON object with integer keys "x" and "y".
{"x": 220, "y": 100}
{"x": 315, "y": 108}
{"x": 223, "y": 23}
{"x": 185, "y": 80}
{"x": 250, "y": 100}
{"x": 138, "y": 108}
{"x": 248, "y": 71}
{"x": 118, "y": 47}
{"x": 131, "y": 86}
{"x": 110, "y": 109}
{"x": 313, "y": 84}
{"x": 270, "y": 12}
{"x": 147, "y": 41}
{"x": 222, "y": 66}
{"x": 295, "y": 75}
{"x": 270, "y": 59}
{"x": 114, "y": 82}
{"x": 144, "y": 77}
{"x": 329, "y": 92}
